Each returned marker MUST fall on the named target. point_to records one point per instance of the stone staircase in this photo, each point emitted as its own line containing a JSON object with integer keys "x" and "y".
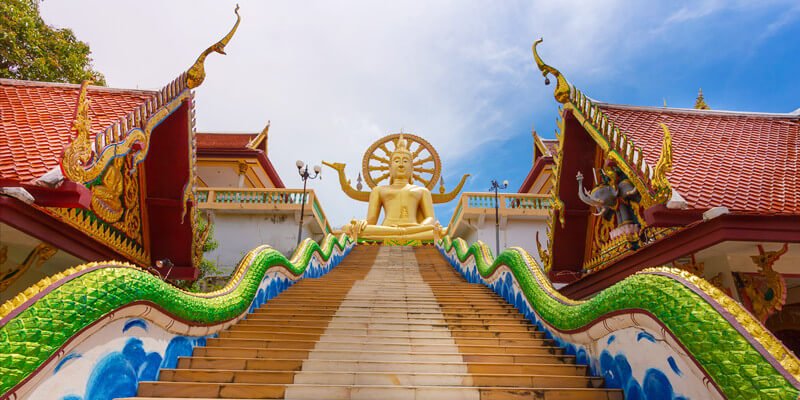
{"x": 390, "y": 322}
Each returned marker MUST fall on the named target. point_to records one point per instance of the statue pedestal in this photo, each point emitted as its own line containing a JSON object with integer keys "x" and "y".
{"x": 395, "y": 242}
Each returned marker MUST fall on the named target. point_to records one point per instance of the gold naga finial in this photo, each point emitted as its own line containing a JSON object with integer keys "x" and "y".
{"x": 664, "y": 166}
{"x": 562, "y": 90}
{"x": 78, "y": 152}
{"x": 700, "y": 104}
{"x": 253, "y": 143}
{"x": 197, "y": 73}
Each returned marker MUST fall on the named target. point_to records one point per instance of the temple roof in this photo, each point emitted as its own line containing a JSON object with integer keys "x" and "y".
{"x": 239, "y": 144}
{"x": 742, "y": 161}
{"x": 551, "y": 145}
{"x": 37, "y": 121}
{"x": 218, "y": 140}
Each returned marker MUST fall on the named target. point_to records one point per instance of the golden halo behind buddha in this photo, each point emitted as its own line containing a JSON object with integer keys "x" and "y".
{"x": 426, "y": 166}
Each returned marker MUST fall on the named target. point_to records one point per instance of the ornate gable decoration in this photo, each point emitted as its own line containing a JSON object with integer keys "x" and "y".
{"x": 623, "y": 164}
{"x": 107, "y": 163}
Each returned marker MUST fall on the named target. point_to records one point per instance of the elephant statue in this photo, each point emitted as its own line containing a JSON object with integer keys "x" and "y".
{"x": 614, "y": 195}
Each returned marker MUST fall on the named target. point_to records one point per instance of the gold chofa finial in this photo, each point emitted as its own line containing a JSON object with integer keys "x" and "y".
{"x": 700, "y": 104}
{"x": 663, "y": 167}
{"x": 253, "y": 143}
{"x": 562, "y": 90}
{"x": 197, "y": 73}
{"x": 78, "y": 152}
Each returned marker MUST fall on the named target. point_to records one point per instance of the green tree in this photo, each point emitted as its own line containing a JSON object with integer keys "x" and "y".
{"x": 207, "y": 268}
{"x": 33, "y": 50}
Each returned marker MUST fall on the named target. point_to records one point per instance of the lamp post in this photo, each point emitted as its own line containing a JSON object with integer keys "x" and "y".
{"x": 302, "y": 169}
{"x": 495, "y": 187}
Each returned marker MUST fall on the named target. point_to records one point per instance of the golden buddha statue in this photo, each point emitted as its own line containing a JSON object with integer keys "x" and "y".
{"x": 408, "y": 208}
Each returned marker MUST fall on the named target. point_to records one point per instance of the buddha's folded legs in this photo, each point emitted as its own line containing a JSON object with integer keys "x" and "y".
{"x": 379, "y": 232}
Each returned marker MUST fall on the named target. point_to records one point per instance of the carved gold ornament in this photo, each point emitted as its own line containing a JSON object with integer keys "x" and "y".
{"x": 375, "y": 164}
{"x": 426, "y": 167}
{"x": 769, "y": 297}
{"x": 197, "y": 73}
{"x": 562, "y": 90}
{"x": 41, "y": 253}
{"x": 106, "y": 202}
{"x": 660, "y": 183}
{"x": 78, "y": 152}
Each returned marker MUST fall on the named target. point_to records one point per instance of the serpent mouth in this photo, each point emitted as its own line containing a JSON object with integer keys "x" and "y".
{"x": 106, "y": 211}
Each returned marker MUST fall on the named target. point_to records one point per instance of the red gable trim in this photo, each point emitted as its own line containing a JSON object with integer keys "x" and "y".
{"x": 245, "y": 153}
{"x": 232, "y": 141}
{"x": 48, "y": 229}
{"x": 537, "y": 168}
{"x": 68, "y": 195}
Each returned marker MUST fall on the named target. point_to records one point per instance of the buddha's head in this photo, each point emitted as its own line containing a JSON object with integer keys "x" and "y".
{"x": 400, "y": 166}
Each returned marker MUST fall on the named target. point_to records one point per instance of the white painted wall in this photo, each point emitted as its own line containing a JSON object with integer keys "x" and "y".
{"x": 514, "y": 232}
{"x": 238, "y": 233}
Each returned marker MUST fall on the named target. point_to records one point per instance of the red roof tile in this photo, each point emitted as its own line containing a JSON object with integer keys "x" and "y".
{"x": 224, "y": 140}
{"x": 551, "y": 145}
{"x": 737, "y": 160}
{"x": 36, "y": 121}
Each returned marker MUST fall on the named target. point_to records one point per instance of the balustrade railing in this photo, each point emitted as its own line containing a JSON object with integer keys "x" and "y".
{"x": 262, "y": 199}
{"x": 508, "y": 204}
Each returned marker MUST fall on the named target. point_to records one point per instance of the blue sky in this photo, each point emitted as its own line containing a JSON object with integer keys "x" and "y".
{"x": 333, "y": 77}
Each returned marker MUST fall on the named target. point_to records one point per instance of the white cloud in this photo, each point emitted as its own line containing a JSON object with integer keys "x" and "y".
{"x": 783, "y": 20}
{"x": 696, "y": 10}
{"x": 333, "y": 77}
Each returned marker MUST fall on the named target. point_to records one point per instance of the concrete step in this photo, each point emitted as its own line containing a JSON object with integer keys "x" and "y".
{"x": 430, "y": 319}
{"x": 181, "y": 390}
{"x": 279, "y": 313}
{"x": 245, "y": 331}
{"x": 480, "y": 341}
{"x": 397, "y": 324}
{"x": 382, "y": 326}
{"x": 275, "y": 364}
{"x": 290, "y": 344}
{"x": 358, "y": 353}
{"x": 377, "y": 378}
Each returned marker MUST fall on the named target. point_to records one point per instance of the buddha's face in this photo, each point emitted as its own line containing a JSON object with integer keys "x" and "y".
{"x": 400, "y": 168}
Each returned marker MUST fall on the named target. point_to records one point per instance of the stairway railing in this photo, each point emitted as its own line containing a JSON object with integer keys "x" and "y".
{"x": 662, "y": 329}
{"x": 52, "y": 326}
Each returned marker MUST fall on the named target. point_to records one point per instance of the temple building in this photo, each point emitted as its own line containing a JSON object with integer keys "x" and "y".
{"x": 247, "y": 200}
{"x": 520, "y": 216}
{"x": 87, "y": 185}
{"x": 90, "y": 173}
{"x": 400, "y": 306}
{"x": 540, "y": 178}
{"x": 235, "y": 160}
{"x": 711, "y": 192}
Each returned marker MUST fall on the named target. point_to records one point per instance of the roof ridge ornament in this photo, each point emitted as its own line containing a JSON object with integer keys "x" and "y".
{"x": 78, "y": 153}
{"x": 700, "y": 104}
{"x": 562, "y": 90}
{"x": 196, "y": 74}
{"x": 660, "y": 183}
{"x": 254, "y": 142}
